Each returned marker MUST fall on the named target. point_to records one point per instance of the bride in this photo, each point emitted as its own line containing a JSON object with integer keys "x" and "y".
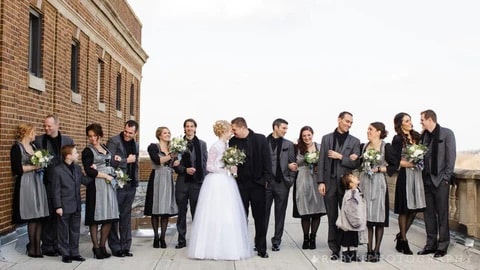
{"x": 219, "y": 229}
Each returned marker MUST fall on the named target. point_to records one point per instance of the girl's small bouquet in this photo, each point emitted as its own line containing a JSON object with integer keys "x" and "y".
{"x": 233, "y": 157}
{"x": 41, "y": 158}
{"x": 371, "y": 158}
{"x": 120, "y": 179}
{"x": 311, "y": 158}
{"x": 178, "y": 145}
{"x": 415, "y": 153}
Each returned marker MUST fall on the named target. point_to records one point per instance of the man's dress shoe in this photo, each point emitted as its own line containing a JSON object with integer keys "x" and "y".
{"x": 426, "y": 251}
{"x": 127, "y": 253}
{"x": 77, "y": 258}
{"x": 440, "y": 253}
{"x": 263, "y": 254}
{"x": 66, "y": 259}
{"x": 118, "y": 253}
{"x": 180, "y": 245}
{"x": 275, "y": 247}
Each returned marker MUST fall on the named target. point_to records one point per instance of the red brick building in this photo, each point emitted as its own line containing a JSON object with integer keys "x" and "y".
{"x": 79, "y": 59}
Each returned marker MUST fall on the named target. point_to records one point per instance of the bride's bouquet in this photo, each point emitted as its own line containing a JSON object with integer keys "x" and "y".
{"x": 311, "y": 158}
{"x": 415, "y": 153}
{"x": 371, "y": 158}
{"x": 233, "y": 157}
{"x": 41, "y": 158}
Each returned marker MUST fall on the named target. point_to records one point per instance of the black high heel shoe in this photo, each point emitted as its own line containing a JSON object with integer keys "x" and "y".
{"x": 406, "y": 248}
{"x": 162, "y": 243}
{"x": 312, "y": 242}
{"x": 156, "y": 243}
{"x": 27, "y": 249}
{"x": 398, "y": 245}
{"x": 97, "y": 253}
{"x": 306, "y": 242}
{"x": 105, "y": 253}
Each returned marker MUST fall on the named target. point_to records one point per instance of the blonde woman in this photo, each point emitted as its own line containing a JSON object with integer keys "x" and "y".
{"x": 30, "y": 198}
{"x": 160, "y": 198}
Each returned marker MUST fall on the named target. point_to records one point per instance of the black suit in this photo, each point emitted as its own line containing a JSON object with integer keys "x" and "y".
{"x": 66, "y": 182}
{"x": 49, "y": 228}
{"x": 253, "y": 176}
{"x": 437, "y": 185}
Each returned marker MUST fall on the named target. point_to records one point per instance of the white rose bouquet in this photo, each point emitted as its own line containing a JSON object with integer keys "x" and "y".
{"x": 371, "y": 158}
{"x": 120, "y": 179}
{"x": 178, "y": 145}
{"x": 311, "y": 158}
{"x": 415, "y": 153}
{"x": 233, "y": 157}
{"x": 41, "y": 158}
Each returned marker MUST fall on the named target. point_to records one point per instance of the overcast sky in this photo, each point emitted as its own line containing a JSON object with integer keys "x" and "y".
{"x": 307, "y": 60}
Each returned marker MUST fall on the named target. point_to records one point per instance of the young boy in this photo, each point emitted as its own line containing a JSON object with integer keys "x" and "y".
{"x": 66, "y": 179}
{"x": 352, "y": 217}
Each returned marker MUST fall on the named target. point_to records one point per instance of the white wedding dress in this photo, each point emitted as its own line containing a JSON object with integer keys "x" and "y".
{"x": 219, "y": 229}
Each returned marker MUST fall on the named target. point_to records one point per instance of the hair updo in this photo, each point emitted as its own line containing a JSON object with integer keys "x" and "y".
{"x": 23, "y": 130}
{"x": 220, "y": 127}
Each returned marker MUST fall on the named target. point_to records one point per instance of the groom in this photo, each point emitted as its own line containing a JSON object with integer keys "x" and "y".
{"x": 253, "y": 177}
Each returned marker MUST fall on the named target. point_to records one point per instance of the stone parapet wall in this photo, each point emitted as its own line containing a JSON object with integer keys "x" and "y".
{"x": 464, "y": 207}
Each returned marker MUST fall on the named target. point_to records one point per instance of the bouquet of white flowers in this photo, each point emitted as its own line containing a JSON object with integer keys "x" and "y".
{"x": 119, "y": 179}
{"x": 233, "y": 157}
{"x": 415, "y": 153}
{"x": 311, "y": 158}
{"x": 41, "y": 158}
{"x": 178, "y": 145}
{"x": 371, "y": 157}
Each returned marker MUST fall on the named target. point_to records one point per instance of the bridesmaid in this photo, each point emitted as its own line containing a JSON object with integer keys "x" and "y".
{"x": 30, "y": 198}
{"x": 373, "y": 184}
{"x": 160, "y": 197}
{"x": 101, "y": 198}
{"x": 307, "y": 201}
{"x": 409, "y": 190}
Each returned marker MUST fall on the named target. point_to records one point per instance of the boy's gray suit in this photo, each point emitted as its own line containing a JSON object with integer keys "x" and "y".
{"x": 66, "y": 195}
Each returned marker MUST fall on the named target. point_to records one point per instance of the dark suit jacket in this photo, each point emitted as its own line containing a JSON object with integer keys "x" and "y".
{"x": 42, "y": 142}
{"x": 258, "y": 159}
{"x": 181, "y": 169}
{"x": 116, "y": 147}
{"x": 66, "y": 187}
{"x": 447, "y": 154}
{"x": 287, "y": 156}
{"x": 350, "y": 146}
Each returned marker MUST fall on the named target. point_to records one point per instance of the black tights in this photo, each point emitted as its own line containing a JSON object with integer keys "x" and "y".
{"x": 34, "y": 234}
{"x": 104, "y": 231}
{"x": 404, "y": 223}
{"x": 163, "y": 226}
{"x": 310, "y": 224}
{"x": 378, "y": 238}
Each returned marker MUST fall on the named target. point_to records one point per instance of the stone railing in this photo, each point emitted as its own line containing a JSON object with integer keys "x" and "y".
{"x": 464, "y": 206}
{"x": 464, "y": 212}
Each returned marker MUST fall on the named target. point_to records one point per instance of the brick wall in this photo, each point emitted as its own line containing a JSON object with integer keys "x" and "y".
{"x": 106, "y": 30}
